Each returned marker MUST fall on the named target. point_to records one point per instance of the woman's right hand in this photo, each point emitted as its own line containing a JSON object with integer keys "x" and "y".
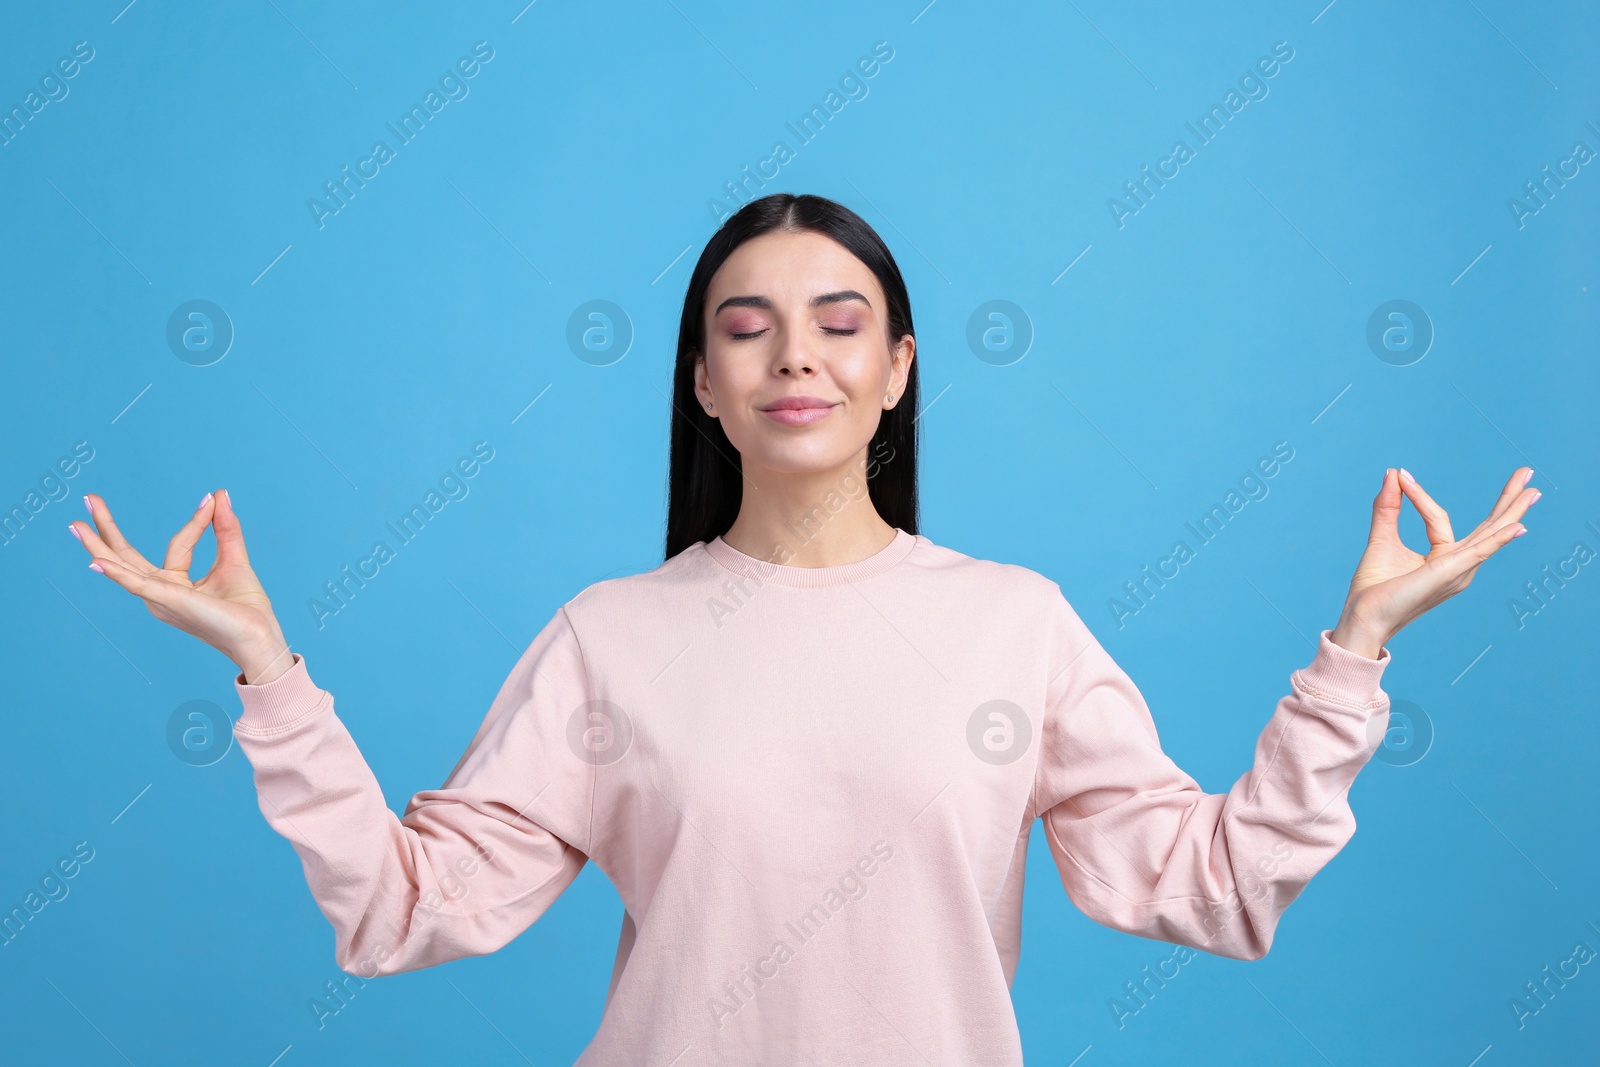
{"x": 227, "y": 609}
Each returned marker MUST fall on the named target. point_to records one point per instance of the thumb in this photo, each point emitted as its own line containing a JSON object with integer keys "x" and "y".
{"x": 230, "y": 535}
{"x": 1386, "y": 510}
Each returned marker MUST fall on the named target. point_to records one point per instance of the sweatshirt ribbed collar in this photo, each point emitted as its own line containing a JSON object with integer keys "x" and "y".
{"x": 880, "y": 561}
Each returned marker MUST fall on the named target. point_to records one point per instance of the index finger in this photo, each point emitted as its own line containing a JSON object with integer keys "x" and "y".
{"x": 180, "y": 550}
{"x": 1434, "y": 518}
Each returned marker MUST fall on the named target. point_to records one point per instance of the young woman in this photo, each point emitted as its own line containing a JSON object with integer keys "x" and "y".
{"x": 809, "y": 747}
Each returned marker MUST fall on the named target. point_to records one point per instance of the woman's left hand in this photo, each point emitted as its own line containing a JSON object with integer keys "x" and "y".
{"x": 1393, "y": 585}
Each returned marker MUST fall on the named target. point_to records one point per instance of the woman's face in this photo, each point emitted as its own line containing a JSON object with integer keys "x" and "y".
{"x": 790, "y": 315}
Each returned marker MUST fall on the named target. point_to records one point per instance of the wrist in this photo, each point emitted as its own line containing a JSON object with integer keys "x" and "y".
{"x": 264, "y": 659}
{"x": 1361, "y": 638}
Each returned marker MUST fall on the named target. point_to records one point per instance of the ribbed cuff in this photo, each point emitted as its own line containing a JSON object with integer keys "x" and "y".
{"x": 285, "y": 700}
{"x": 1343, "y": 676}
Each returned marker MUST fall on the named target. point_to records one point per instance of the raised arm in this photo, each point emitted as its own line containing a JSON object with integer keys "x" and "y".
{"x": 472, "y": 863}
{"x": 1141, "y": 848}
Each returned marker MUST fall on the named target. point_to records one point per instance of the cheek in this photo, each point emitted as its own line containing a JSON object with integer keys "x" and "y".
{"x": 728, "y": 375}
{"x": 864, "y": 375}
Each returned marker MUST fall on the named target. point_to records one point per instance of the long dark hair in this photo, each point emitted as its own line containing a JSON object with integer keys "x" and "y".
{"x": 705, "y": 484}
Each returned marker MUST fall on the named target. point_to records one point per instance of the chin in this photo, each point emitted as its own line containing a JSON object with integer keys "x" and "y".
{"x": 796, "y": 457}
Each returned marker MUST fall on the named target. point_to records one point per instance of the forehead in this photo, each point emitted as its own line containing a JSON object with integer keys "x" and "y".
{"x": 790, "y": 268}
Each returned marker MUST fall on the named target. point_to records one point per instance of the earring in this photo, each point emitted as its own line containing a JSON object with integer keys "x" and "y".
{"x": 889, "y": 399}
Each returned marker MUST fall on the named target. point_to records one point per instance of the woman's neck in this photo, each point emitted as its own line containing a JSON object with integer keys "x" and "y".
{"x": 808, "y": 526}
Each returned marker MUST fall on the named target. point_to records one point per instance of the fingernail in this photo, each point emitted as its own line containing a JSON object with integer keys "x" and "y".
{"x": 203, "y": 501}
{"x": 86, "y": 505}
{"x": 97, "y": 568}
{"x": 1407, "y": 476}
{"x": 1526, "y": 478}
{"x": 1535, "y": 497}
{"x": 1520, "y": 531}
{"x": 75, "y": 532}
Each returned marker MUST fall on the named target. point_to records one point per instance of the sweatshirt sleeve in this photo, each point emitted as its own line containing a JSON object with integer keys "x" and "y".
{"x": 472, "y": 863}
{"x": 1141, "y": 848}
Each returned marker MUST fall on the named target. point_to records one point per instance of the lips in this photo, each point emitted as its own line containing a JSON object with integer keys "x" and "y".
{"x": 797, "y": 403}
{"x": 799, "y": 410}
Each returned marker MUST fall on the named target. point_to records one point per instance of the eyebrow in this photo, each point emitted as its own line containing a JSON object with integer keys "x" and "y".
{"x": 766, "y": 305}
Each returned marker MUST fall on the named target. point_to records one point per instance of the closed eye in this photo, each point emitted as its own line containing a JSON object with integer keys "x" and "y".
{"x": 825, "y": 329}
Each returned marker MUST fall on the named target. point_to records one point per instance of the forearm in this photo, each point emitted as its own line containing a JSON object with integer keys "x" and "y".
{"x": 399, "y": 895}
{"x": 1143, "y": 849}
{"x": 470, "y": 864}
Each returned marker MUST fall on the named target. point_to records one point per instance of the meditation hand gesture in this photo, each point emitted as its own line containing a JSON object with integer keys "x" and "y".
{"x": 227, "y": 609}
{"x": 1393, "y": 584}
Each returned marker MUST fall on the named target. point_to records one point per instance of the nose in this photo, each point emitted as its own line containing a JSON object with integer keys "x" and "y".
{"x": 792, "y": 357}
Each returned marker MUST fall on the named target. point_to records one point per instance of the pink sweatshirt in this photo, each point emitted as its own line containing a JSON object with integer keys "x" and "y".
{"x": 813, "y": 790}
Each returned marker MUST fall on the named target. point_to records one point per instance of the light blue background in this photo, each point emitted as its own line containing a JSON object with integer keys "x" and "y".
{"x": 1229, "y": 314}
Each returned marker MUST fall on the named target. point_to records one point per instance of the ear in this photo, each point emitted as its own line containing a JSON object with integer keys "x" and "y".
{"x": 900, "y": 365}
{"x": 702, "y": 380}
